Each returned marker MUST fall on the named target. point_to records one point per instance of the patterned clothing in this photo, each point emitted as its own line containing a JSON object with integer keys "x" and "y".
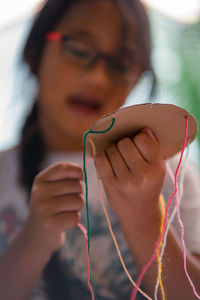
{"x": 109, "y": 279}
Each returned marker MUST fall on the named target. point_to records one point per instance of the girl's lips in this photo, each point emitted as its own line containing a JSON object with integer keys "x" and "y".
{"x": 84, "y": 104}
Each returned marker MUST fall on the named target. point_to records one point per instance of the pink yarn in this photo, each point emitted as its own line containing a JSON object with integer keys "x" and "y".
{"x": 88, "y": 160}
{"x": 146, "y": 267}
{"x": 182, "y": 239}
{"x": 82, "y": 228}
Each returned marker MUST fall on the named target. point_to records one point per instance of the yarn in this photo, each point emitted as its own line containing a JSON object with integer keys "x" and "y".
{"x": 111, "y": 231}
{"x": 158, "y": 245}
{"x": 182, "y": 239}
{"x": 146, "y": 267}
{"x": 86, "y": 192}
{"x": 180, "y": 189}
{"x": 162, "y": 204}
{"x": 82, "y": 228}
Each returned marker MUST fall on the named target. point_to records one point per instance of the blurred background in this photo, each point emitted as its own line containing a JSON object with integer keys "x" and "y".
{"x": 175, "y": 26}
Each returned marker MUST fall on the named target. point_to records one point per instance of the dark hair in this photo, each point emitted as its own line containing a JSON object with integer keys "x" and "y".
{"x": 32, "y": 149}
{"x": 52, "y": 12}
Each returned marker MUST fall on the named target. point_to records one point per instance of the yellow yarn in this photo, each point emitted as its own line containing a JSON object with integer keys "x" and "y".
{"x": 162, "y": 204}
{"x": 112, "y": 233}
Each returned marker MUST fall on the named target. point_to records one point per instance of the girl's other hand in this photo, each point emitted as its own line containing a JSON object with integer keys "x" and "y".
{"x": 132, "y": 172}
{"x": 55, "y": 205}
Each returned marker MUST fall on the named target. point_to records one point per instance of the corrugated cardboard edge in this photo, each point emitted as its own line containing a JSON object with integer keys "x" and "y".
{"x": 167, "y": 122}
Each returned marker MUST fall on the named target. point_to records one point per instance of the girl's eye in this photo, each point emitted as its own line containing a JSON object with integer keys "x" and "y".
{"x": 81, "y": 53}
{"x": 77, "y": 50}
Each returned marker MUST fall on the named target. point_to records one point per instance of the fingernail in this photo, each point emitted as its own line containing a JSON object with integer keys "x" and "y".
{"x": 149, "y": 132}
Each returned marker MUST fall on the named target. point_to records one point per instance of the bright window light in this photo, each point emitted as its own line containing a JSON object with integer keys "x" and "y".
{"x": 12, "y": 11}
{"x": 186, "y": 11}
{"x": 182, "y": 10}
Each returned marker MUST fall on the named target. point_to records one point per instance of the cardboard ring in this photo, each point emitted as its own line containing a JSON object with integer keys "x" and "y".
{"x": 166, "y": 121}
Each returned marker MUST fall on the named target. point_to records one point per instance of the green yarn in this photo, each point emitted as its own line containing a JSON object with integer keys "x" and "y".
{"x": 86, "y": 185}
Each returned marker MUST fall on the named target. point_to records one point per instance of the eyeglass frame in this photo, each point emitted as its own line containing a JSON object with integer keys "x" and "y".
{"x": 55, "y": 36}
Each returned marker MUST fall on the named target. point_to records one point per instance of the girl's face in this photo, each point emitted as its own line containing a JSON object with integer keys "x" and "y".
{"x": 76, "y": 86}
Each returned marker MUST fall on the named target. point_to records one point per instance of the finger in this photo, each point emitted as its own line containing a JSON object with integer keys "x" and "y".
{"x": 66, "y": 220}
{"x": 117, "y": 162}
{"x": 130, "y": 154}
{"x": 148, "y": 145}
{"x": 104, "y": 168}
{"x": 66, "y": 204}
{"x": 62, "y": 187}
{"x": 60, "y": 171}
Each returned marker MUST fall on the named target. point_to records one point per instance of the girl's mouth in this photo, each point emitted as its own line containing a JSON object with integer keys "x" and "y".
{"x": 84, "y": 105}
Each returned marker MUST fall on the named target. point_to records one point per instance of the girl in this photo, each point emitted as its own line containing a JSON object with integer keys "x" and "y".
{"x": 87, "y": 55}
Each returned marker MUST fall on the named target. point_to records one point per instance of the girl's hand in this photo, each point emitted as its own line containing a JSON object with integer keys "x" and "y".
{"x": 55, "y": 205}
{"x": 132, "y": 172}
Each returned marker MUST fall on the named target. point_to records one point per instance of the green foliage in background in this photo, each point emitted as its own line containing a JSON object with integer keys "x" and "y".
{"x": 177, "y": 63}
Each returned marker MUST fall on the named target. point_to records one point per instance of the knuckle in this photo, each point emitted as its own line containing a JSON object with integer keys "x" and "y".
{"x": 72, "y": 219}
{"x": 59, "y": 165}
{"x": 79, "y": 187}
{"x": 72, "y": 167}
{"x": 66, "y": 165}
{"x": 128, "y": 186}
{"x": 142, "y": 138}
{"x": 74, "y": 185}
{"x": 75, "y": 218}
{"x": 111, "y": 149}
{"x": 98, "y": 158}
{"x": 137, "y": 138}
{"x": 36, "y": 191}
{"x": 142, "y": 180}
{"x": 145, "y": 179}
{"x": 79, "y": 170}
{"x": 80, "y": 202}
{"x": 123, "y": 142}
{"x": 101, "y": 162}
